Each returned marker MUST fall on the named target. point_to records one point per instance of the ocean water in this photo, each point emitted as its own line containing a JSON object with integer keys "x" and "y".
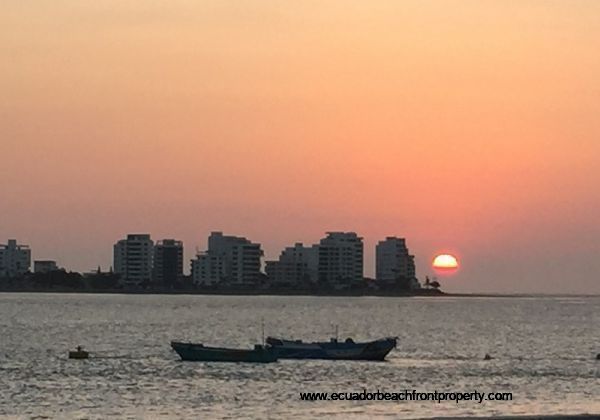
{"x": 543, "y": 349}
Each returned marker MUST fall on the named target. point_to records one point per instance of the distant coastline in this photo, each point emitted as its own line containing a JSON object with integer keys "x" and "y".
{"x": 339, "y": 293}
{"x": 236, "y": 292}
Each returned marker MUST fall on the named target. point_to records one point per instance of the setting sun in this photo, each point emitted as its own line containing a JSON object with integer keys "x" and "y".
{"x": 445, "y": 262}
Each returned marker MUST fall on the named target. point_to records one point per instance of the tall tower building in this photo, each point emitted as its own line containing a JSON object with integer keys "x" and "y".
{"x": 168, "y": 263}
{"x": 340, "y": 259}
{"x": 133, "y": 259}
{"x": 15, "y": 259}
{"x": 229, "y": 259}
{"x": 394, "y": 264}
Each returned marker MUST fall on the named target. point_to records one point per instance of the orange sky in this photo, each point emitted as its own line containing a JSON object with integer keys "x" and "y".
{"x": 466, "y": 126}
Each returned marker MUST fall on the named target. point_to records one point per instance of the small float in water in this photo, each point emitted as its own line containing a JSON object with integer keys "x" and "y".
{"x": 79, "y": 353}
{"x": 201, "y": 353}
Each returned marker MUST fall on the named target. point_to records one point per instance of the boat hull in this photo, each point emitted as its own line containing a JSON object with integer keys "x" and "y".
{"x": 79, "y": 354}
{"x": 200, "y": 353}
{"x": 347, "y": 350}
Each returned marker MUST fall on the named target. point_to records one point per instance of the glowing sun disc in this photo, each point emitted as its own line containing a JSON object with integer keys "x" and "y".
{"x": 445, "y": 262}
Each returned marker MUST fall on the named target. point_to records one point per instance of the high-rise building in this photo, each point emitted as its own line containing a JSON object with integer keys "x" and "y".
{"x": 15, "y": 259}
{"x": 208, "y": 269}
{"x": 168, "y": 263}
{"x": 296, "y": 266}
{"x": 340, "y": 259}
{"x": 229, "y": 259}
{"x": 394, "y": 264}
{"x": 133, "y": 259}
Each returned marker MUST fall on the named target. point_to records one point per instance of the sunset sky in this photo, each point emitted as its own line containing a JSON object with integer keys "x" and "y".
{"x": 469, "y": 127}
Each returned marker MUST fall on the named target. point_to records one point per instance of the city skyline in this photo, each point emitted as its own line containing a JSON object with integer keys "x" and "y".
{"x": 423, "y": 263}
{"x": 469, "y": 127}
{"x": 146, "y": 245}
{"x": 230, "y": 264}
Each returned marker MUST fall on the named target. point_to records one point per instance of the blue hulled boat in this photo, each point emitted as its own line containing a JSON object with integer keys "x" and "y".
{"x": 202, "y": 353}
{"x": 333, "y": 349}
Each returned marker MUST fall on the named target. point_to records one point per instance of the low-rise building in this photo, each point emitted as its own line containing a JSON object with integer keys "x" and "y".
{"x": 44, "y": 266}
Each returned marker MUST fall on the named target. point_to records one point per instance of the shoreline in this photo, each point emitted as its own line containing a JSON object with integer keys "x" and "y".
{"x": 233, "y": 292}
{"x": 526, "y": 417}
{"x": 237, "y": 292}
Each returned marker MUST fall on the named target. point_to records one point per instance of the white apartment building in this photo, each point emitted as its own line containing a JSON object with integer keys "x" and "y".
{"x": 133, "y": 259}
{"x": 393, "y": 262}
{"x": 296, "y": 265}
{"x": 15, "y": 259}
{"x": 208, "y": 270}
{"x": 229, "y": 259}
{"x": 340, "y": 259}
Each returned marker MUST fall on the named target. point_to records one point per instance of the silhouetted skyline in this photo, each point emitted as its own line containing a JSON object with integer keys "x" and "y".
{"x": 468, "y": 127}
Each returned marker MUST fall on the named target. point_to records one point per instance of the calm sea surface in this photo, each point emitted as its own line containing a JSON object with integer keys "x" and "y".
{"x": 543, "y": 349}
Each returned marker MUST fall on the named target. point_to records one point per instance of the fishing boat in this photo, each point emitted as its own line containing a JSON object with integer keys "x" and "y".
{"x": 202, "y": 353}
{"x": 333, "y": 349}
